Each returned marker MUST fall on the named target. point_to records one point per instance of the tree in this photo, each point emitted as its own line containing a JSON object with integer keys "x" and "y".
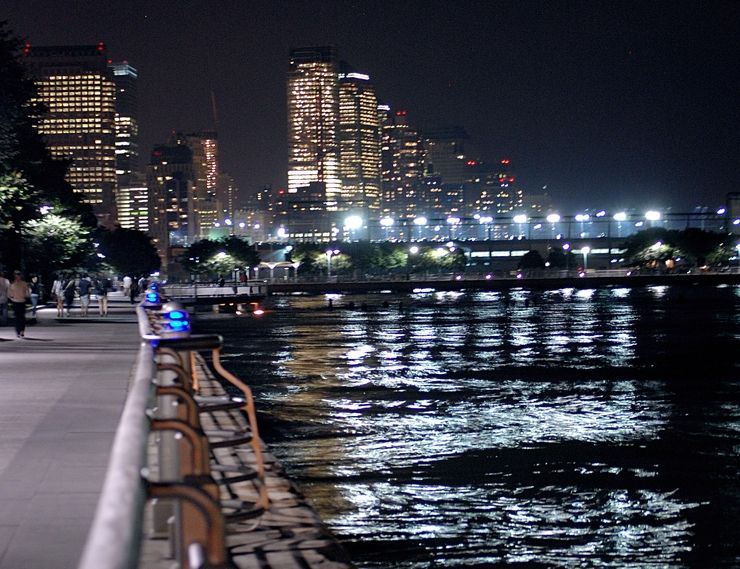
{"x": 56, "y": 243}
{"x": 127, "y": 251}
{"x": 219, "y": 257}
{"x": 531, "y": 260}
{"x": 561, "y": 259}
{"x": 29, "y": 177}
{"x": 698, "y": 244}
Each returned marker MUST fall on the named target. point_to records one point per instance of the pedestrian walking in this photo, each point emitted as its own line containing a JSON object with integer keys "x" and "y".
{"x": 134, "y": 291}
{"x": 69, "y": 295}
{"x": 4, "y": 286}
{"x": 57, "y": 291}
{"x": 84, "y": 288}
{"x": 103, "y": 286}
{"x": 127, "y": 282}
{"x": 19, "y": 293}
{"x": 35, "y": 287}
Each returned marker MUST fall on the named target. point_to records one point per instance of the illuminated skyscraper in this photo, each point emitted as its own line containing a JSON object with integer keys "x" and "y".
{"x": 170, "y": 179}
{"x": 359, "y": 143}
{"x": 133, "y": 207}
{"x": 125, "y": 78}
{"x": 313, "y": 120}
{"x": 404, "y": 193}
{"x": 204, "y": 149}
{"x": 76, "y": 85}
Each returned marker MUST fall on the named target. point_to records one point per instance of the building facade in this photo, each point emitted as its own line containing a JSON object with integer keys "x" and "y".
{"x": 76, "y": 86}
{"x": 313, "y": 121}
{"x": 359, "y": 144}
{"x": 125, "y": 78}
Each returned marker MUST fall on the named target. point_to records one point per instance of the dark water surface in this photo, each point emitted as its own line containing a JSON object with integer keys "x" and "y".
{"x": 566, "y": 428}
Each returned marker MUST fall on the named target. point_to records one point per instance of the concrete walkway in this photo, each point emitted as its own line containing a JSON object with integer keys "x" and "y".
{"x": 62, "y": 390}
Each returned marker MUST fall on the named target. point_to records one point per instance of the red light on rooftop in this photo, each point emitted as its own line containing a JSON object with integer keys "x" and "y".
{"x": 26, "y": 48}
{"x": 472, "y": 163}
{"x": 157, "y": 153}
{"x": 401, "y": 113}
{"x": 505, "y": 161}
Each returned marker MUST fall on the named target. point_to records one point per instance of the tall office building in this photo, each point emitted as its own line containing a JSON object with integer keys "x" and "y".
{"x": 170, "y": 179}
{"x": 359, "y": 143}
{"x": 404, "y": 194}
{"x": 133, "y": 207}
{"x": 76, "y": 86}
{"x": 125, "y": 78}
{"x": 206, "y": 208}
{"x": 448, "y": 153}
{"x": 313, "y": 120}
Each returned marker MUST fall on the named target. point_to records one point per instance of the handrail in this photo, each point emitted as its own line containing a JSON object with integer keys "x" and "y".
{"x": 115, "y": 536}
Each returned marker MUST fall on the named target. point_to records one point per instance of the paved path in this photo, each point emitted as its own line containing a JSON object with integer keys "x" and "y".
{"x": 62, "y": 390}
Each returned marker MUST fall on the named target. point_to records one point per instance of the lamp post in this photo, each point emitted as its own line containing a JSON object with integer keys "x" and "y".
{"x": 329, "y": 254}
{"x": 413, "y": 250}
{"x": 453, "y": 222}
{"x": 420, "y": 222}
{"x": 487, "y": 220}
{"x": 520, "y": 219}
{"x": 585, "y": 251}
{"x": 566, "y": 249}
{"x": 352, "y": 223}
{"x": 387, "y": 223}
{"x": 552, "y": 219}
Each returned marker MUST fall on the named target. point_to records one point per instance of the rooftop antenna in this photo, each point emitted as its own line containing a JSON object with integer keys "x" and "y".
{"x": 215, "y": 110}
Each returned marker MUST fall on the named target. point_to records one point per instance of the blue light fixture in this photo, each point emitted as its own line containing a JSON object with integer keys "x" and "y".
{"x": 175, "y": 320}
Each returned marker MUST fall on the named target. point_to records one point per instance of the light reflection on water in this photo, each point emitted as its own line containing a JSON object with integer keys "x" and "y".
{"x": 565, "y": 428}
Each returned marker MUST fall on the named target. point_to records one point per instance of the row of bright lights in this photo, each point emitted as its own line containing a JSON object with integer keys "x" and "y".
{"x": 355, "y": 222}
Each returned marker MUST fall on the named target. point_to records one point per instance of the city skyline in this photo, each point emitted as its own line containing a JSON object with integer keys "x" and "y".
{"x": 604, "y": 105}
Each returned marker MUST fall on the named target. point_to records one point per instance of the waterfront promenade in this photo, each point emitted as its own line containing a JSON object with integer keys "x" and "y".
{"x": 62, "y": 391}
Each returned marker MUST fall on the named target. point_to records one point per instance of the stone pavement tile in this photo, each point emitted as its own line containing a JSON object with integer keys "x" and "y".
{"x": 74, "y": 479}
{"x": 13, "y": 511}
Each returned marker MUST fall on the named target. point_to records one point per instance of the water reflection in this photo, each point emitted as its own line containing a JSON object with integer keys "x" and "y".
{"x": 562, "y": 427}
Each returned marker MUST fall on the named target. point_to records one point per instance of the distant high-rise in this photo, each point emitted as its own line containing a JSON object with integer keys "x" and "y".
{"x": 404, "y": 192}
{"x": 204, "y": 148}
{"x": 170, "y": 179}
{"x": 313, "y": 120}
{"x": 125, "y": 78}
{"x": 446, "y": 153}
{"x": 359, "y": 143}
{"x": 76, "y": 86}
{"x": 133, "y": 207}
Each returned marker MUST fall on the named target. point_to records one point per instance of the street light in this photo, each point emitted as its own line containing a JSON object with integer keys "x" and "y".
{"x": 520, "y": 219}
{"x": 453, "y": 222}
{"x": 329, "y": 254}
{"x": 566, "y": 249}
{"x": 386, "y": 222}
{"x": 353, "y": 223}
{"x": 413, "y": 250}
{"x": 585, "y": 250}
{"x": 652, "y": 215}
{"x": 420, "y": 222}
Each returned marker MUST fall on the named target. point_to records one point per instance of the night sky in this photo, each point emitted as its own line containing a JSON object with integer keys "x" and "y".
{"x": 608, "y": 104}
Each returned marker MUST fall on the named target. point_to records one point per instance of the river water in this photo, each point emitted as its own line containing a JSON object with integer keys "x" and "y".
{"x": 563, "y": 428}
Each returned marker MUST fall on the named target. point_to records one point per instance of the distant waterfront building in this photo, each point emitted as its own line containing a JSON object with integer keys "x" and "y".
{"x": 359, "y": 143}
{"x": 447, "y": 153}
{"x": 125, "y": 78}
{"x": 206, "y": 209}
{"x": 403, "y": 169}
{"x": 170, "y": 178}
{"x": 313, "y": 121}
{"x": 226, "y": 193}
{"x": 76, "y": 85}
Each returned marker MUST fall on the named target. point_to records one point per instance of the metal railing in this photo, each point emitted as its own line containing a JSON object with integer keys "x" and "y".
{"x": 189, "y": 508}
{"x": 115, "y": 537}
